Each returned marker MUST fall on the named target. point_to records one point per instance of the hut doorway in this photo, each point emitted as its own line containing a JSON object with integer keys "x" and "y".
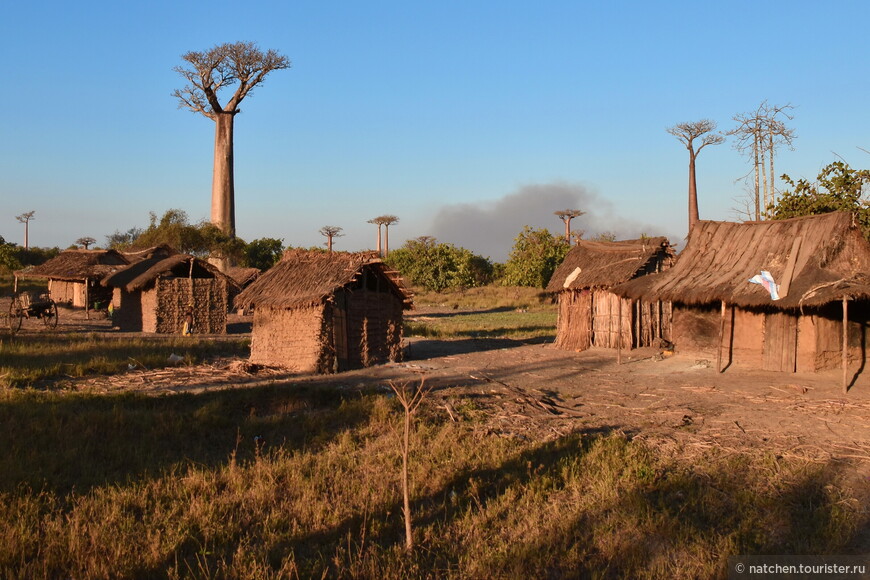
{"x": 779, "y": 352}
{"x": 339, "y": 331}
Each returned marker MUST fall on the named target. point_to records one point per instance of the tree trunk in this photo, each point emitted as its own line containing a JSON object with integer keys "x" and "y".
{"x": 772, "y": 174}
{"x": 380, "y": 253}
{"x": 223, "y": 208}
{"x": 386, "y": 240}
{"x": 764, "y": 186}
{"x": 693, "y": 192}
{"x": 756, "y": 145}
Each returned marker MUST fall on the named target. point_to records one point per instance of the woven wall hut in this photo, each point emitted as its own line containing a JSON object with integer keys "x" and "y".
{"x": 160, "y": 294}
{"x": 74, "y": 276}
{"x": 819, "y": 264}
{"x": 326, "y": 312}
{"x": 590, "y": 314}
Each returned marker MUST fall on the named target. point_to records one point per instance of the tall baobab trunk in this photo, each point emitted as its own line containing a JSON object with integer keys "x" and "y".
{"x": 380, "y": 253}
{"x": 772, "y": 174}
{"x": 386, "y": 240}
{"x": 757, "y": 186}
{"x": 694, "y": 216}
{"x": 223, "y": 206}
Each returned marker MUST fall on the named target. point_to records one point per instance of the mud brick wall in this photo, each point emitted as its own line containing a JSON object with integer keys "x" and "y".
{"x": 374, "y": 328}
{"x": 127, "y": 310}
{"x": 297, "y": 339}
{"x": 66, "y": 292}
{"x": 174, "y": 297}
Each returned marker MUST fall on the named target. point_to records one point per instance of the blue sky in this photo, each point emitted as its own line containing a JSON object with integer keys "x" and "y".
{"x": 466, "y": 119}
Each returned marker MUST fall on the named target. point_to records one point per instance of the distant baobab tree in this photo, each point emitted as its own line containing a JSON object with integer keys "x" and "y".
{"x": 566, "y": 215}
{"x": 331, "y": 232}
{"x": 86, "y": 241}
{"x": 386, "y": 221}
{"x": 25, "y": 218}
{"x": 378, "y": 223}
{"x": 686, "y": 133}
{"x": 242, "y": 64}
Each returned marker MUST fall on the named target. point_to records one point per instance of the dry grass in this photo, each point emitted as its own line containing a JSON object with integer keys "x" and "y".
{"x": 130, "y": 486}
{"x": 31, "y": 360}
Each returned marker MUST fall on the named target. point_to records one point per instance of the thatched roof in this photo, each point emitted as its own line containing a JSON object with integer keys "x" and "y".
{"x": 161, "y": 251}
{"x": 243, "y": 276}
{"x": 142, "y": 273}
{"x": 78, "y": 265}
{"x": 592, "y": 264}
{"x": 814, "y": 260}
{"x": 305, "y": 277}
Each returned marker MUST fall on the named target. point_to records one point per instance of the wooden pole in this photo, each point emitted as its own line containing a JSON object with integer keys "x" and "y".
{"x": 721, "y": 339}
{"x": 619, "y": 331}
{"x": 845, "y": 344}
{"x": 87, "y": 300}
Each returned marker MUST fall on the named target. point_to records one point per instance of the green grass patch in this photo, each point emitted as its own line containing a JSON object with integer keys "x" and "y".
{"x": 25, "y": 360}
{"x": 133, "y": 486}
{"x": 484, "y": 298}
{"x": 490, "y": 324}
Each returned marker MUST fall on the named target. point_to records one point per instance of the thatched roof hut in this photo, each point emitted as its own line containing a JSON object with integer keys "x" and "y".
{"x": 818, "y": 264}
{"x": 169, "y": 294}
{"x": 589, "y": 313}
{"x": 74, "y": 275}
{"x": 326, "y": 312}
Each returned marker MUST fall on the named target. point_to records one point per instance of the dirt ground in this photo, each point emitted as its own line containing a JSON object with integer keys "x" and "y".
{"x": 530, "y": 389}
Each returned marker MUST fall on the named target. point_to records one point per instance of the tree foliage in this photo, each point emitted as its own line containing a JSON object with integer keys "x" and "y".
{"x": 837, "y": 188}
{"x": 438, "y": 266}
{"x": 86, "y": 241}
{"x": 263, "y": 253}
{"x": 202, "y": 239}
{"x": 8, "y": 257}
{"x": 535, "y": 256}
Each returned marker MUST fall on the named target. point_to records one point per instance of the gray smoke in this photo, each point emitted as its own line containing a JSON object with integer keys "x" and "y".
{"x": 489, "y": 228}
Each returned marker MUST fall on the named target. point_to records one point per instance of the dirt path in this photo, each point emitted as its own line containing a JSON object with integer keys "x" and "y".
{"x": 534, "y": 390}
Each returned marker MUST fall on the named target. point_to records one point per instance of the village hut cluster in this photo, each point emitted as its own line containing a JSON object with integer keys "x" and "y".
{"x": 782, "y": 295}
{"x": 156, "y": 290}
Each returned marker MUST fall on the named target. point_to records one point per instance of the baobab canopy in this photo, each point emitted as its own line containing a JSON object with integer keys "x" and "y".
{"x": 239, "y": 64}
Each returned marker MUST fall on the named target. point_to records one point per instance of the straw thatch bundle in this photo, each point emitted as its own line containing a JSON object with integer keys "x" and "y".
{"x": 815, "y": 260}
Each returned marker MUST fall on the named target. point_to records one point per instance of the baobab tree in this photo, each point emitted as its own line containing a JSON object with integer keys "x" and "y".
{"x": 758, "y": 134}
{"x": 25, "y": 218}
{"x": 386, "y": 221}
{"x": 241, "y": 64}
{"x": 686, "y": 133}
{"x": 331, "y": 232}
{"x": 86, "y": 241}
{"x": 377, "y": 221}
{"x": 566, "y": 215}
